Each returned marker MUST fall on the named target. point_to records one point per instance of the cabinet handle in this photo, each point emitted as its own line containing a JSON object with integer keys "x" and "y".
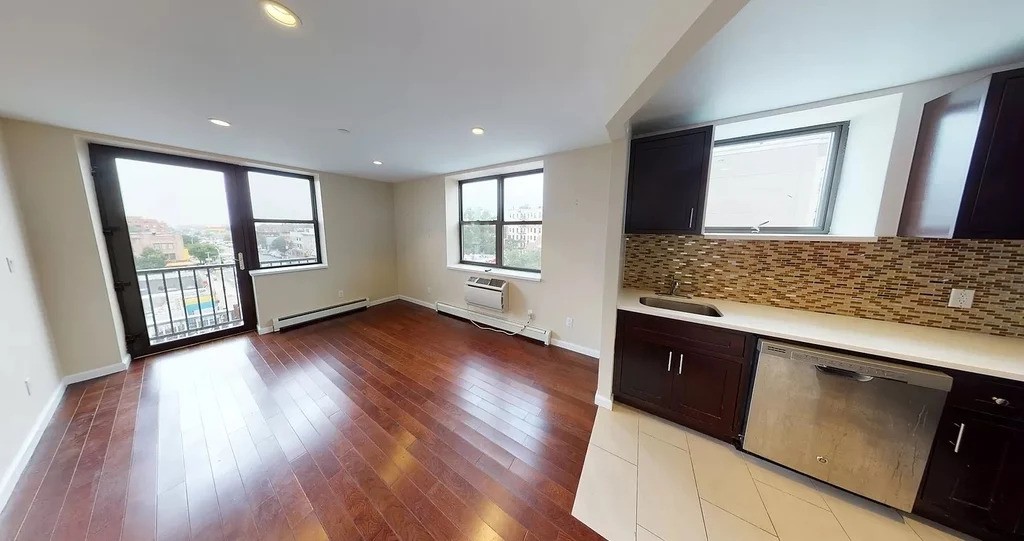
{"x": 691, "y": 216}
{"x": 959, "y": 437}
{"x": 669, "y": 369}
{"x": 680, "y": 364}
{"x": 1000, "y": 401}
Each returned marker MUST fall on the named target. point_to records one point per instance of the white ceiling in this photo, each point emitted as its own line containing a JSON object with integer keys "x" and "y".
{"x": 408, "y": 78}
{"x": 779, "y": 53}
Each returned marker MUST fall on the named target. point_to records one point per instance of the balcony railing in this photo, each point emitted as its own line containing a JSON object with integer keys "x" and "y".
{"x": 269, "y": 264}
{"x": 189, "y": 301}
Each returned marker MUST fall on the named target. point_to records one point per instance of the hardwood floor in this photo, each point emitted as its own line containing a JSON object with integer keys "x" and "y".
{"x": 392, "y": 423}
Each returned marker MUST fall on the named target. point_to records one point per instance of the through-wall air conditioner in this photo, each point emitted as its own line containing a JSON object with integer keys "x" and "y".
{"x": 490, "y": 293}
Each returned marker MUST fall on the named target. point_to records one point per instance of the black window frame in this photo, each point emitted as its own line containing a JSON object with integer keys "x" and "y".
{"x": 251, "y": 220}
{"x": 499, "y": 223}
{"x": 827, "y": 201}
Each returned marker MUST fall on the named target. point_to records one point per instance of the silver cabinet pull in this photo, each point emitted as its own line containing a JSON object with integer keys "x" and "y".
{"x": 241, "y": 261}
{"x": 669, "y": 369}
{"x": 692, "y": 209}
{"x": 1000, "y": 401}
{"x": 959, "y": 437}
{"x": 680, "y": 364}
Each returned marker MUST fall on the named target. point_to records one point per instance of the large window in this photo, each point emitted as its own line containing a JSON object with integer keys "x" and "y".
{"x": 781, "y": 182}
{"x": 501, "y": 220}
{"x": 284, "y": 218}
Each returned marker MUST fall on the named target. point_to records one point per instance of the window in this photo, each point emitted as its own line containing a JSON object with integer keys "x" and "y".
{"x": 284, "y": 218}
{"x": 781, "y": 182}
{"x": 501, "y": 220}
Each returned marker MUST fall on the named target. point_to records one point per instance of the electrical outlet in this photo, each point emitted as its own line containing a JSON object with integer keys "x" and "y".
{"x": 568, "y": 322}
{"x": 341, "y": 293}
{"x": 961, "y": 298}
{"x": 28, "y": 386}
{"x": 529, "y": 313}
{"x": 430, "y": 290}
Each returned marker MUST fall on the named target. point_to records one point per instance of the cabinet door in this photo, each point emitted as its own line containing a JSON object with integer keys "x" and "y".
{"x": 667, "y": 181}
{"x": 993, "y": 203}
{"x": 705, "y": 390}
{"x": 979, "y": 483}
{"x": 645, "y": 367}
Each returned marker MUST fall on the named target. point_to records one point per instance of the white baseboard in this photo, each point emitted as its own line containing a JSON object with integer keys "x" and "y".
{"x": 21, "y": 459}
{"x": 264, "y": 330}
{"x": 603, "y": 401}
{"x": 589, "y": 352}
{"x": 384, "y": 300}
{"x": 424, "y": 304}
{"x": 97, "y": 372}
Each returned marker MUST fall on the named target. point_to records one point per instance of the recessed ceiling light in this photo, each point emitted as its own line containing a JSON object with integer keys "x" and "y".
{"x": 219, "y": 122}
{"x": 280, "y": 14}
{"x": 378, "y": 162}
{"x": 477, "y": 131}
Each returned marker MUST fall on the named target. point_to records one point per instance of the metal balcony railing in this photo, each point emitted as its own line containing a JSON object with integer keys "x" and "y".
{"x": 286, "y": 262}
{"x": 189, "y": 301}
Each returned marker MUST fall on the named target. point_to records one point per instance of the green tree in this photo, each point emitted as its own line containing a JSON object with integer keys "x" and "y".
{"x": 281, "y": 244}
{"x": 190, "y": 239}
{"x": 150, "y": 258}
{"x": 205, "y": 252}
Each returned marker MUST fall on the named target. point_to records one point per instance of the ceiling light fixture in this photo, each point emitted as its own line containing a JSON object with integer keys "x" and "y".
{"x": 219, "y": 122}
{"x": 477, "y": 131}
{"x": 378, "y": 162}
{"x": 280, "y": 14}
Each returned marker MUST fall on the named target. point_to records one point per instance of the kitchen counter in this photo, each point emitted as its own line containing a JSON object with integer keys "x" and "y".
{"x": 970, "y": 352}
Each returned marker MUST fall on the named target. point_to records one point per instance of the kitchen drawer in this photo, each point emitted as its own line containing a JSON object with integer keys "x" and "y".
{"x": 698, "y": 337}
{"x": 983, "y": 394}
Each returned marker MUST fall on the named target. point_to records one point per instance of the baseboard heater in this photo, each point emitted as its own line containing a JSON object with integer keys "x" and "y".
{"x": 541, "y": 335}
{"x": 281, "y": 323}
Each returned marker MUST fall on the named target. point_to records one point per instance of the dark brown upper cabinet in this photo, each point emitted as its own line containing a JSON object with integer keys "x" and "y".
{"x": 668, "y": 177}
{"x": 967, "y": 177}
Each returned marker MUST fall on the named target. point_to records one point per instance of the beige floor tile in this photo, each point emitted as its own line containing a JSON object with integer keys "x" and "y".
{"x": 724, "y": 526}
{"x": 790, "y": 482}
{"x": 797, "y": 520}
{"x": 929, "y": 531}
{"x": 724, "y": 480}
{"x": 643, "y": 535}
{"x": 606, "y": 497}
{"x": 865, "y": 520}
{"x": 665, "y": 431}
{"x": 617, "y": 431}
{"x": 667, "y": 502}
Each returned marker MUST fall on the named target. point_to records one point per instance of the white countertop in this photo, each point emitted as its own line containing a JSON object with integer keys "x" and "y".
{"x": 970, "y": 352}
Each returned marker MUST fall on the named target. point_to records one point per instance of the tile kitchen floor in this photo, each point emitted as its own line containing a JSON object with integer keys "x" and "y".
{"x": 648, "y": 479}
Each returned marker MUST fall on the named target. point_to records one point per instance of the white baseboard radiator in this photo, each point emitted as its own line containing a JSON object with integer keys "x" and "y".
{"x": 529, "y": 331}
{"x": 281, "y": 323}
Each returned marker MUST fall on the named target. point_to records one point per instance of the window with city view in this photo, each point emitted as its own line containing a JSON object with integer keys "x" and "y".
{"x": 501, "y": 220}
{"x": 284, "y": 218}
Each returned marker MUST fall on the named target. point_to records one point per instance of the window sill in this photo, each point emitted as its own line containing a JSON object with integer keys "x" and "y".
{"x": 521, "y": 275}
{"x": 794, "y": 237}
{"x": 286, "y": 270}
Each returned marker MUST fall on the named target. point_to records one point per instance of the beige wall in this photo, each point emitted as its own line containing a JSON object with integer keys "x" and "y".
{"x": 359, "y": 221}
{"x": 26, "y": 351}
{"x": 70, "y": 259}
{"x": 57, "y": 200}
{"x": 576, "y": 203}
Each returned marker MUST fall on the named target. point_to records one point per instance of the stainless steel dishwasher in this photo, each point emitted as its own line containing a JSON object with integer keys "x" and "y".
{"x": 860, "y": 424}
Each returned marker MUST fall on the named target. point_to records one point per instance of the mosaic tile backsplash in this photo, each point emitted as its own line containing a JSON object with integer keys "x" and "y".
{"x": 893, "y": 279}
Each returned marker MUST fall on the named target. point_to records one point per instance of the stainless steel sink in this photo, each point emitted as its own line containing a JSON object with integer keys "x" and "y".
{"x": 681, "y": 306}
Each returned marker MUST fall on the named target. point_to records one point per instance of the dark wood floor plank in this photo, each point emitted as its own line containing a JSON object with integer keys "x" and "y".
{"x": 390, "y": 423}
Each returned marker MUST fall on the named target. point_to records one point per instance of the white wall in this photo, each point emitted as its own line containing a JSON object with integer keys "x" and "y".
{"x": 359, "y": 225}
{"x": 576, "y": 201}
{"x": 26, "y": 351}
{"x": 55, "y": 192}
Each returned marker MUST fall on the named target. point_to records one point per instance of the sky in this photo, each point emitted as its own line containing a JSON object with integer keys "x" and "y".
{"x": 526, "y": 190}
{"x": 187, "y": 196}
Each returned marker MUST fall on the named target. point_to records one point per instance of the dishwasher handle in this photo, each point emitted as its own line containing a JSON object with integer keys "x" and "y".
{"x": 847, "y": 374}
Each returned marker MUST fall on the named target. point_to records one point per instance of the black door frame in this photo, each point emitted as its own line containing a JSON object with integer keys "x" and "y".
{"x": 122, "y": 263}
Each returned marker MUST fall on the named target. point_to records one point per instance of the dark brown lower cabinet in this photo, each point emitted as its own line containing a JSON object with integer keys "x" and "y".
{"x": 975, "y": 477}
{"x": 685, "y": 372}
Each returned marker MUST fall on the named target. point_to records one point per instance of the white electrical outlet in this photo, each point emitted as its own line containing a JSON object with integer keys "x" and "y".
{"x": 430, "y": 290}
{"x": 529, "y": 313}
{"x": 961, "y": 298}
{"x": 341, "y": 293}
{"x": 568, "y": 322}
